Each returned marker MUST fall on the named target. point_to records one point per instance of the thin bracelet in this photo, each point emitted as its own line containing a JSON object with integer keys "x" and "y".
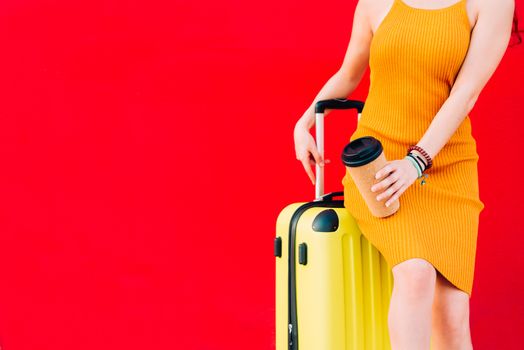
{"x": 420, "y": 174}
{"x": 415, "y": 164}
{"x": 423, "y": 152}
{"x": 425, "y": 165}
{"x": 422, "y": 164}
{"x": 421, "y": 169}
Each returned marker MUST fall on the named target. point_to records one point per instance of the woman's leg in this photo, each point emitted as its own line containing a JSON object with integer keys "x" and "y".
{"x": 450, "y": 324}
{"x": 409, "y": 315}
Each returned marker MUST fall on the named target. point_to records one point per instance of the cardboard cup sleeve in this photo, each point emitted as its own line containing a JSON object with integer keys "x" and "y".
{"x": 364, "y": 157}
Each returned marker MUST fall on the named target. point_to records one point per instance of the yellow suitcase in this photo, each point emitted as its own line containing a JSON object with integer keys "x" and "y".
{"x": 332, "y": 286}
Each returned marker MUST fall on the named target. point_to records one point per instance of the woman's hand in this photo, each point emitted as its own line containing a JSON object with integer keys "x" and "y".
{"x": 306, "y": 150}
{"x": 400, "y": 175}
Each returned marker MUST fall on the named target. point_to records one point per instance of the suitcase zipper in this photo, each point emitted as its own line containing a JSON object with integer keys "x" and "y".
{"x": 292, "y": 302}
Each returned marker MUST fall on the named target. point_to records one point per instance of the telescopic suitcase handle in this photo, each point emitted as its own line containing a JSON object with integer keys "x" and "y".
{"x": 320, "y": 107}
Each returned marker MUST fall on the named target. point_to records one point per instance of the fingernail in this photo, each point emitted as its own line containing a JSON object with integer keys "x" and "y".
{"x": 387, "y": 204}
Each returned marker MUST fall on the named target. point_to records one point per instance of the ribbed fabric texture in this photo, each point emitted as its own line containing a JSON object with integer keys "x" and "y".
{"x": 415, "y": 56}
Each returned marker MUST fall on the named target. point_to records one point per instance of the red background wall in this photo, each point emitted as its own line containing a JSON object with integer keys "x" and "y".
{"x": 147, "y": 150}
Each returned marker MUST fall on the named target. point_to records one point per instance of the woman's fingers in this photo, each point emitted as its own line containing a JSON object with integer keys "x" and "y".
{"x": 316, "y": 155}
{"x": 397, "y": 180}
{"x": 391, "y": 190}
{"x": 386, "y": 169}
{"x": 312, "y": 161}
{"x": 307, "y": 165}
{"x": 395, "y": 196}
{"x": 393, "y": 177}
{"x": 313, "y": 158}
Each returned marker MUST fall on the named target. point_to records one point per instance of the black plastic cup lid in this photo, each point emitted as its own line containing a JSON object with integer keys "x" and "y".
{"x": 361, "y": 151}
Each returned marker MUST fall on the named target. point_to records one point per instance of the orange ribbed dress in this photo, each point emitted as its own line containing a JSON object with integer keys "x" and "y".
{"x": 415, "y": 56}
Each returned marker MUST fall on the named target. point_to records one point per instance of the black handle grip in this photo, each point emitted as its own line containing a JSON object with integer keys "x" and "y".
{"x": 338, "y": 103}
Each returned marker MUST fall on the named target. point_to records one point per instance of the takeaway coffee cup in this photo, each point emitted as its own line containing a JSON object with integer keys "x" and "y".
{"x": 364, "y": 157}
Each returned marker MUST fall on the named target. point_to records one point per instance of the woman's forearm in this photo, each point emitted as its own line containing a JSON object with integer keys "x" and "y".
{"x": 338, "y": 86}
{"x": 446, "y": 122}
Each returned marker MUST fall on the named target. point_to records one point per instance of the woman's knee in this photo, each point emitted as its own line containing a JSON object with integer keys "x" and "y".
{"x": 451, "y": 309}
{"x": 416, "y": 276}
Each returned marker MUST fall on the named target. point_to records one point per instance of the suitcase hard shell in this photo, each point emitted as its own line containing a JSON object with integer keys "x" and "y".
{"x": 332, "y": 286}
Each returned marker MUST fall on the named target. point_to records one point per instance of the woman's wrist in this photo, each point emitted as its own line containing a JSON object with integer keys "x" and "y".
{"x": 302, "y": 124}
{"x": 305, "y": 122}
{"x": 415, "y": 164}
{"x": 420, "y": 159}
{"x": 422, "y": 155}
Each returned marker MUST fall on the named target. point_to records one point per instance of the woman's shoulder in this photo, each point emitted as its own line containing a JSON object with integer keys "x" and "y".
{"x": 487, "y": 7}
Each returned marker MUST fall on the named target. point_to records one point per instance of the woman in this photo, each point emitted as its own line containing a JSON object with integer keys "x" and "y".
{"x": 429, "y": 61}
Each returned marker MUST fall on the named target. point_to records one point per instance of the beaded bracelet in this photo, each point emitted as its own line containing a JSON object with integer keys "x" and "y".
{"x": 424, "y": 153}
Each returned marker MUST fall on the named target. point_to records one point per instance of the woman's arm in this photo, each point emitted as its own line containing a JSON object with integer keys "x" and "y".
{"x": 356, "y": 60}
{"x": 489, "y": 41}
{"x": 340, "y": 85}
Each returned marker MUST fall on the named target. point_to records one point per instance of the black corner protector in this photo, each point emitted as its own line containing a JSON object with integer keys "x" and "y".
{"x": 302, "y": 254}
{"x": 278, "y": 247}
{"x": 326, "y": 221}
